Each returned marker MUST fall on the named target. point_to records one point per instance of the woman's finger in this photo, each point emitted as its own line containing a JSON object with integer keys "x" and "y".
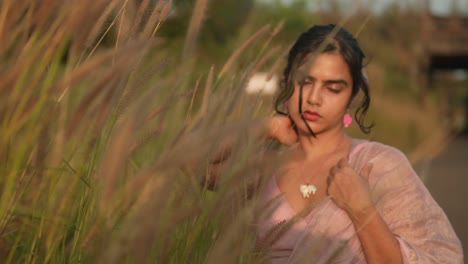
{"x": 365, "y": 171}
{"x": 331, "y": 175}
{"x": 333, "y": 170}
{"x": 342, "y": 163}
{"x": 329, "y": 180}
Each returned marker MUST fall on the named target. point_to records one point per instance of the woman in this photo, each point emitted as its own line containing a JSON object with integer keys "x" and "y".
{"x": 346, "y": 200}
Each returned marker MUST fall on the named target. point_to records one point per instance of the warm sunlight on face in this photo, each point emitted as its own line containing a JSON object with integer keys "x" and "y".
{"x": 327, "y": 86}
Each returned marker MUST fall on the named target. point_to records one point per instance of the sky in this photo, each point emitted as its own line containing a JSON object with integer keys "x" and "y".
{"x": 438, "y": 7}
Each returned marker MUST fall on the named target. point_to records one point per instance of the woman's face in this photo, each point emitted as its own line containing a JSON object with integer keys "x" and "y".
{"x": 327, "y": 86}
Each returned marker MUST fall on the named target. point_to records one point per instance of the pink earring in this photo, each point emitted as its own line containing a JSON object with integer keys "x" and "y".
{"x": 286, "y": 104}
{"x": 347, "y": 120}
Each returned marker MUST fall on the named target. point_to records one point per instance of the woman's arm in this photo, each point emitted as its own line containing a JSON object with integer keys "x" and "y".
{"x": 377, "y": 240}
{"x": 350, "y": 191}
{"x": 388, "y": 203}
{"x": 278, "y": 128}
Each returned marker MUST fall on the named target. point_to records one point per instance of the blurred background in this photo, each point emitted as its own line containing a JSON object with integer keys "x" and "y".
{"x": 97, "y": 97}
{"x": 417, "y": 57}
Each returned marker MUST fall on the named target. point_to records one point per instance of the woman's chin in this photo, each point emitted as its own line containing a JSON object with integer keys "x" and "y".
{"x": 303, "y": 131}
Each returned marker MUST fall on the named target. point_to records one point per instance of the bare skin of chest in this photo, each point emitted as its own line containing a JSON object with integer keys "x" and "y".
{"x": 296, "y": 174}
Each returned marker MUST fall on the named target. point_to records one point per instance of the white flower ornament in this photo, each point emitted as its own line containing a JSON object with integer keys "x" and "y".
{"x": 307, "y": 189}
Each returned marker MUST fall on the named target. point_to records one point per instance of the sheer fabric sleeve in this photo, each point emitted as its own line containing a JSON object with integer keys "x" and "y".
{"x": 421, "y": 227}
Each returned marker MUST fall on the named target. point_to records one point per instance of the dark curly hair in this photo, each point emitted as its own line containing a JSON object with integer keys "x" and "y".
{"x": 322, "y": 39}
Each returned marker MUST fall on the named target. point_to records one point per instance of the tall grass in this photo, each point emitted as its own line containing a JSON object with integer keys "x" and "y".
{"x": 102, "y": 156}
{"x": 107, "y": 139}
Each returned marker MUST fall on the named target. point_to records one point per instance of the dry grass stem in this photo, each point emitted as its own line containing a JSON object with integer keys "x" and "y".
{"x": 98, "y": 27}
{"x": 141, "y": 15}
{"x": 239, "y": 50}
{"x": 110, "y": 144}
{"x": 154, "y": 18}
{"x": 194, "y": 26}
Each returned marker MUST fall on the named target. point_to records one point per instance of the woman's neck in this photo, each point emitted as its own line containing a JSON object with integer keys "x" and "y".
{"x": 323, "y": 144}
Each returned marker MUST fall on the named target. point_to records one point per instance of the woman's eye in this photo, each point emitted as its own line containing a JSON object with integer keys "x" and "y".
{"x": 333, "y": 90}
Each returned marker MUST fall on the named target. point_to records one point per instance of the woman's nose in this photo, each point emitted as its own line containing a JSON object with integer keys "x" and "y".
{"x": 314, "y": 96}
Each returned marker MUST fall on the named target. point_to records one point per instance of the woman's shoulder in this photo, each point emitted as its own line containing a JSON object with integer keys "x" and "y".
{"x": 382, "y": 156}
{"x": 389, "y": 164}
{"x": 376, "y": 150}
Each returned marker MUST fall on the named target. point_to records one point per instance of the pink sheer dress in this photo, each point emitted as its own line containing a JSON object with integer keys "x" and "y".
{"x": 327, "y": 235}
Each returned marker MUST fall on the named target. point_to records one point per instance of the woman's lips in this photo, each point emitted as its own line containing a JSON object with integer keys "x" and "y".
{"x": 311, "y": 116}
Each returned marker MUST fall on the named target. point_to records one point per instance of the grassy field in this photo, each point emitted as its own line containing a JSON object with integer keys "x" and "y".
{"x": 106, "y": 137}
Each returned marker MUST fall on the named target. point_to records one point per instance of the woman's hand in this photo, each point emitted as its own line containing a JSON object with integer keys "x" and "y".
{"x": 349, "y": 190}
{"x": 281, "y": 128}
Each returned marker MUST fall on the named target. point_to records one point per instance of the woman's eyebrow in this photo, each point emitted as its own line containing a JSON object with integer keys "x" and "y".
{"x": 337, "y": 81}
{"x": 329, "y": 82}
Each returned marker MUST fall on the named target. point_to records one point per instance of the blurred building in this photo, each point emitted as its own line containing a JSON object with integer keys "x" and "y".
{"x": 444, "y": 55}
